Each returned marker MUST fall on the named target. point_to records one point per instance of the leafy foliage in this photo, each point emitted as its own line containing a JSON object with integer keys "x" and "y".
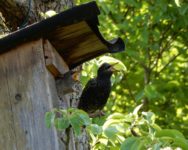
{"x": 155, "y": 34}
{"x": 134, "y": 131}
{"x": 65, "y": 118}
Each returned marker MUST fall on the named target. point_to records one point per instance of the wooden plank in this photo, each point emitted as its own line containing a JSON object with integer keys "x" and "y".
{"x": 7, "y": 134}
{"x": 53, "y": 60}
{"x": 77, "y": 43}
{"x": 27, "y": 92}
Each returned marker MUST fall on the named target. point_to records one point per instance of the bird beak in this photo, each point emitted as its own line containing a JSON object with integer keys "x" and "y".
{"x": 112, "y": 67}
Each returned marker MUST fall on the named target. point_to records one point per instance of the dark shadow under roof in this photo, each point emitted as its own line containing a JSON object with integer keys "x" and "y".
{"x": 74, "y": 33}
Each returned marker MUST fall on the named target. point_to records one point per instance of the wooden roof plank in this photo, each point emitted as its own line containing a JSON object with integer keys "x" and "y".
{"x": 74, "y": 34}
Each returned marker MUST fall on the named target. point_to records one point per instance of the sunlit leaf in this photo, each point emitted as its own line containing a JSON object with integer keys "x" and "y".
{"x": 116, "y": 116}
{"x": 135, "y": 112}
{"x": 49, "y": 118}
{"x": 153, "y": 32}
{"x": 111, "y": 122}
{"x": 129, "y": 118}
{"x": 118, "y": 64}
{"x": 95, "y": 129}
{"x": 156, "y": 127}
{"x": 50, "y": 13}
{"x": 177, "y": 2}
{"x": 150, "y": 117}
{"x": 111, "y": 132}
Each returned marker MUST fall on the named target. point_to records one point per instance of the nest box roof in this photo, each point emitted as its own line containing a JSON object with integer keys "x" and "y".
{"x": 74, "y": 33}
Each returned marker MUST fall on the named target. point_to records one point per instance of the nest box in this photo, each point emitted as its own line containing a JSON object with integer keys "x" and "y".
{"x": 29, "y": 60}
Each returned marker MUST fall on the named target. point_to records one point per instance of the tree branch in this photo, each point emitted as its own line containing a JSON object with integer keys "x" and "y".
{"x": 170, "y": 61}
{"x": 162, "y": 49}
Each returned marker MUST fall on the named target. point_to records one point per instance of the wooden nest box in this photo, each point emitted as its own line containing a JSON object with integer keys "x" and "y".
{"x": 30, "y": 59}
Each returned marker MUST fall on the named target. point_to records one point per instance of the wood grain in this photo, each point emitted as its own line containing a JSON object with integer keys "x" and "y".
{"x": 27, "y": 91}
{"x": 54, "y": 62}
{"x": 77, "y": 43}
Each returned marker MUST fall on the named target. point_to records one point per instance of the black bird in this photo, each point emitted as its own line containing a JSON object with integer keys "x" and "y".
{"x": 97, "y": 90}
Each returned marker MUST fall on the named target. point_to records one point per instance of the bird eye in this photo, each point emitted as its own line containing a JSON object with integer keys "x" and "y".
{"x": 108, "y": 67}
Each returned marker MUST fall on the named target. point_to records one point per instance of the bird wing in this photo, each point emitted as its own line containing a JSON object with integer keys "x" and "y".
{"x": 91, "y": 84}
{"x": 88, "y": 90}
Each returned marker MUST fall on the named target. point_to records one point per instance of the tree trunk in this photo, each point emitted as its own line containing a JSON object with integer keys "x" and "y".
{"x": 16, "y": 14}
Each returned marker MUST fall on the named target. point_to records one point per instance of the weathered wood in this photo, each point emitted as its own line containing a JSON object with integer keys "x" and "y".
{"x": 77, "y": 42}
{"x": 7, "y": 133}
{"x": 73, "y": 33}
{"x": 27, "y": 91}
{"x": 54, "y": 62}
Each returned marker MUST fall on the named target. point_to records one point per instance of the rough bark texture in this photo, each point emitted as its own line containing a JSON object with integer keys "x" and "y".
{"x": 15, "y": 14}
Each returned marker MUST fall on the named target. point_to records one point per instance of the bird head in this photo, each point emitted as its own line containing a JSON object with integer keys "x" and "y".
{"x": 106, "y": 70}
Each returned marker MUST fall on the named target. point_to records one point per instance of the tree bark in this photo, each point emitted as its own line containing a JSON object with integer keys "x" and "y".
{"x": 16, "y": 14}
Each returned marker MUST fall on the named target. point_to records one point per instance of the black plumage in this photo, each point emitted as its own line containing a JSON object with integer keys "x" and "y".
{"x": 97, "y": 90}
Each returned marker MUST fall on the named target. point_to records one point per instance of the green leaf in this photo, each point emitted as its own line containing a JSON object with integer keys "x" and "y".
{"x": 183, "y": 10}
{"x": 150, "y": 117}
{"x": 140, "y": 95}
{"x": 169, "y": 133}
{"x": 135, "y": 112}
{"x": 156, "y": 146}
{"x": 95, "y": 129}
{"x": 50, "y": 13}
{"x": 129, "y": 118}
{"x": 176, "y": 136}
{"x": 156, "y": 127}
{"x": 106, "y": 9}
{"x": 110, "y": 122}
{"x": 75, "y": 123}
{"x": 99, "y": 120}
{"x": 114, "y": 148}
{"x": 181, "y": 142}
{"x": 111, "y": 132}
{"x": 132, "y": 3}
{"x": 49, "y": 119}
{"x": 126, "y": 145}
{"x": 62, "y": 123}
{"x": 132, "y": 143}
{"x": 151, "y": 92}
{"x": 116, "y": 116}
{"x": 177, "y": 2}
{"x": 83, "y": 117}
{"x": 119, "y": 66}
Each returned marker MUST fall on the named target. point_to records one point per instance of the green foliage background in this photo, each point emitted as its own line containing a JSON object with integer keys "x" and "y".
{"x": 156, "y": 36}
{"x": 148, "y": 106}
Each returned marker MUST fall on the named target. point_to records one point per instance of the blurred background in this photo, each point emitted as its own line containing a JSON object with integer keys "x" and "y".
{"x": 156, "y": 36}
